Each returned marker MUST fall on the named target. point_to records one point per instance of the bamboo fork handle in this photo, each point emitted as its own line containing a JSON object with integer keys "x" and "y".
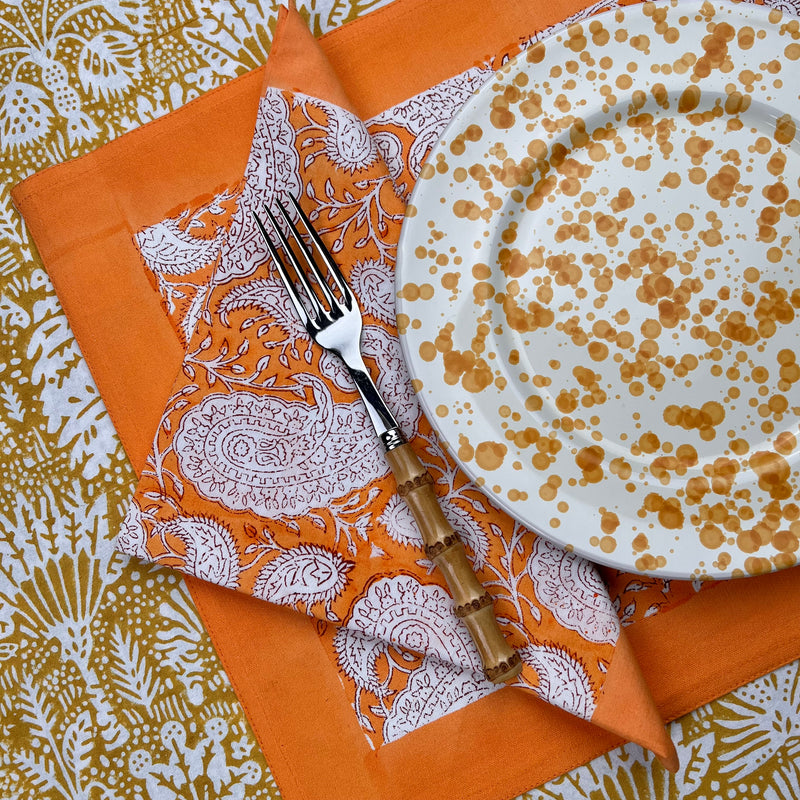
{"x": 443, "y": 546}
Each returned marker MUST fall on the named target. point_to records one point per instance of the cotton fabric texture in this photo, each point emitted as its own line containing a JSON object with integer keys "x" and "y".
{"x": 327, "y": 110}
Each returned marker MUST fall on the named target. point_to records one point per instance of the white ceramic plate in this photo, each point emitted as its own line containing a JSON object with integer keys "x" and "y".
{"x": 598, "y": 288}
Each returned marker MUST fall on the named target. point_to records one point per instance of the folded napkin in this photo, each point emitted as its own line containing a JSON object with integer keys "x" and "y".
{"x": 266, "y": 476}
{"x": 84, "y": 215}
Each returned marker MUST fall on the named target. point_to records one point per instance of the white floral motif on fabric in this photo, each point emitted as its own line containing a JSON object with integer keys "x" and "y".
{"x": 211, "y": 553}
{"x": 269, "y": 297}
{"x": 109, "y": 64}
{"x": 271, "y": 170}
{"x": 405, "y": 612}
{"x": 399, "y": 523}
{"x": 306, "y": 574}
{"x": 570, "y": 588}
{"x": 391, "y": 149}
{"x": 750, "y": 725}
{"x": 65, "y": 392}
{"x": 169, "y": 249}
{"x": 25, "y": 115}
{"x": 563, "y": 681}
{"x": 357, "y": 654}
{"x": 373, "y": 282}
{"x": 132, "y": 536}
{"x": 347, "y": 142}
{"x": 277, "y": 457}
{"x": 434, "y": 689}
{"x": 426, "y": 115}
{"x": 188, "y": 761}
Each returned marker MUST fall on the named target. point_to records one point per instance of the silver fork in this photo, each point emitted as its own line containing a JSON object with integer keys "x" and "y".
{"x": 330, "y": 312}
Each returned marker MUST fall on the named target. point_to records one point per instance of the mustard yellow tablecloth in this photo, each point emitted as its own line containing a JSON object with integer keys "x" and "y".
{"x": 110, "y": 687}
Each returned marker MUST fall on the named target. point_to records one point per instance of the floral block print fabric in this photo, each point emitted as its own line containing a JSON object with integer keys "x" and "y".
{"x": 107, "y": 705}
{"x": 266, "y": 475}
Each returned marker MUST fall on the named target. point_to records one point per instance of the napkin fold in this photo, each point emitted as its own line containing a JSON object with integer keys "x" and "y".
{"x": 265, "y": 475}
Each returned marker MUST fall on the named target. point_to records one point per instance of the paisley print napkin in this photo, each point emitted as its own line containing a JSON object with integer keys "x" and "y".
{"x": 265, "y": 475}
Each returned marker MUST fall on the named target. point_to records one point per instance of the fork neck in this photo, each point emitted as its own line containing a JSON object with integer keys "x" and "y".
{"x": 382, "y": 418}
{"x": 392, "y": 438}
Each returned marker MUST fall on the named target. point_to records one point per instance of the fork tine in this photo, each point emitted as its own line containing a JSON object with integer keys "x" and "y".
{"x": 282, "y": 271}
{"x": 294, "y": 260}
{"x": 310, "y": 263}
{"x": 324, "y": 254}
{"x": 301, "y": 269}
{"x": 319, "y": 248}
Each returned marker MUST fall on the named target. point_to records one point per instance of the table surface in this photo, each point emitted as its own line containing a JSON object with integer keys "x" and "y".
{"x": 97, "y": 700}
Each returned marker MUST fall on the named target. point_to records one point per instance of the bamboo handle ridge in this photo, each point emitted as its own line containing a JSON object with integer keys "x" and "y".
{"x": 472, "y": 602}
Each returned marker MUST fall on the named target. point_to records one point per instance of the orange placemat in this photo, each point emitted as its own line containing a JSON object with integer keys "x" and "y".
{"x": 134, "y": 356}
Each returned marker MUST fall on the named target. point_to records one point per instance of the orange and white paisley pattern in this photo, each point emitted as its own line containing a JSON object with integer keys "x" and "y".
{"x": 265, "y": 444}
{"x": 435, "y": 688}
{"x": 273, "y": 456}
{"x": 572, "y": 591}
{"x": 563, "y": 679}
{"x": 303, "y": 576}
{"x": 402, "y": 610}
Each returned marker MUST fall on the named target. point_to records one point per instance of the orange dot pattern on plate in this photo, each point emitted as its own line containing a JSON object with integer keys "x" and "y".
{"x": 624, "y": 199}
